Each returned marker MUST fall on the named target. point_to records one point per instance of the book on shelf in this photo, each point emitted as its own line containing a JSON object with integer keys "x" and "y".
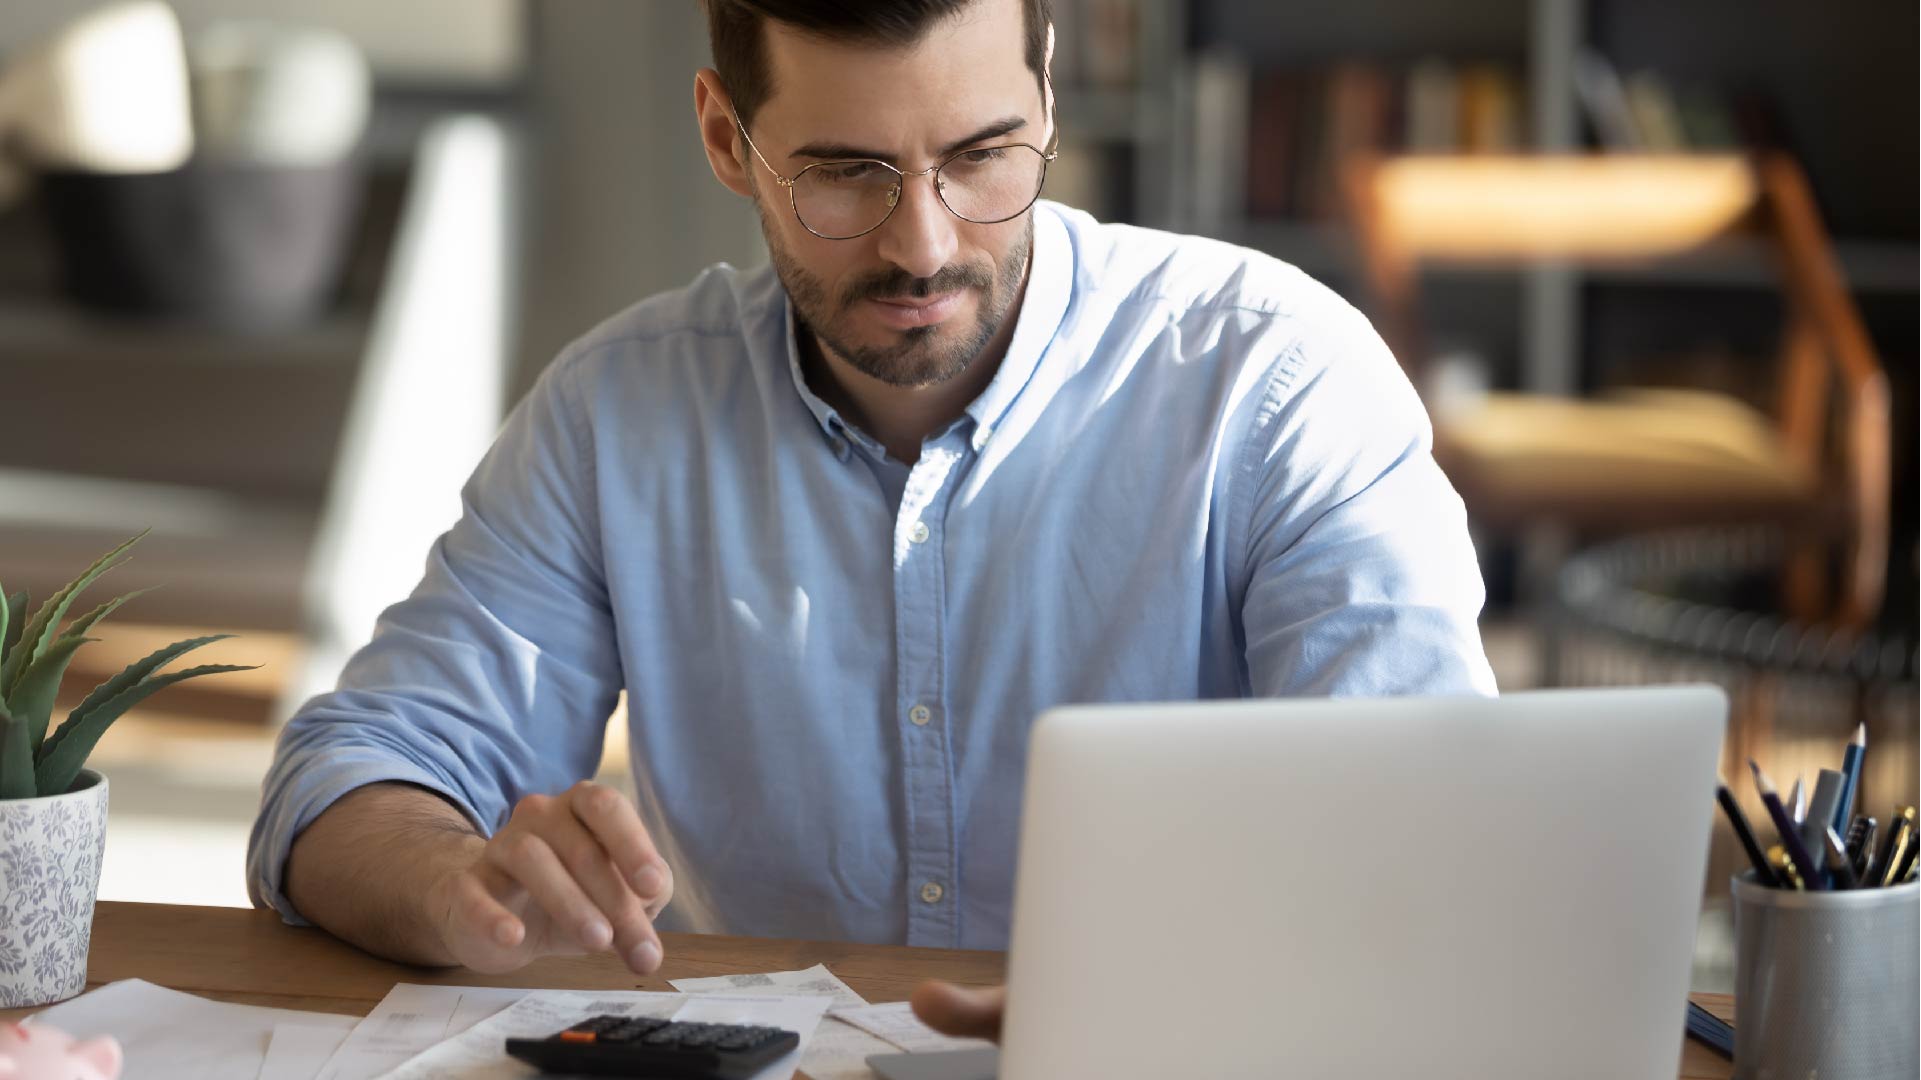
{"x": 1490, "y": 110}
{"x": 1096, "y": 43}
{"x": 1644, "y": 113}
{"x": 1656, "y": 116}
{"x": 1605, "y": 100}
{"x": 1433, "y": 96}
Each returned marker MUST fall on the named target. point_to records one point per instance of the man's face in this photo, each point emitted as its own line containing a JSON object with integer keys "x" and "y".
{"x": 915, "y": 301}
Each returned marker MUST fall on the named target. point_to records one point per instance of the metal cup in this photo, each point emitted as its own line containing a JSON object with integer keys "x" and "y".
{"x": 1825, "y": 983}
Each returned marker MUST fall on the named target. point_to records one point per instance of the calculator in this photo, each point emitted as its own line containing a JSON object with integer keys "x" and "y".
{"x": 644, "y": 1047}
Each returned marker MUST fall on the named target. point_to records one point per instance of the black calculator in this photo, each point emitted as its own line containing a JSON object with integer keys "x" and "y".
{"x": 643, "y": 1047}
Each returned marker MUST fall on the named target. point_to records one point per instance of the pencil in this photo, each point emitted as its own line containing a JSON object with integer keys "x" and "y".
{"x": 1742, "y": 832}
{"x": 1804, "y": 863}
{"x": 1851, "y": 773}
{"x": 1797, "y": 802}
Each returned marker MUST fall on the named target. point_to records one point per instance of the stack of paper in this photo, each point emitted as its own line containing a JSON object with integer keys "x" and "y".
{"x": 418, "y": 1032}
{"x": 167, "y": 1034}
{"x": 410, "y": 1019}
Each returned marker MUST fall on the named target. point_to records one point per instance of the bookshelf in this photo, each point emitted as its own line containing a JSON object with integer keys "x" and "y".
{"x": 1836, "y": 86}
{"x": 1838, "y": 83}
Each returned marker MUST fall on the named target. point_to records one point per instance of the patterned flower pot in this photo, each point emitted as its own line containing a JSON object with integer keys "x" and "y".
{"x": 50, "y": 852}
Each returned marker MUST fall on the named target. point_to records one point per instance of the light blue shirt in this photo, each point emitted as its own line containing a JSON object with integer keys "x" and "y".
{"x": 1198, "y": 473}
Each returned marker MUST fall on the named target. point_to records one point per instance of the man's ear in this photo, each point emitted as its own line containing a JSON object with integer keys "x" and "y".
{"x": 719, "y": 135}
{"x": 1047, "y": 82}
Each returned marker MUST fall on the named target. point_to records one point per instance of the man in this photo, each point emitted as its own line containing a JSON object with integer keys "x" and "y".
{"x": 842, "y": 527}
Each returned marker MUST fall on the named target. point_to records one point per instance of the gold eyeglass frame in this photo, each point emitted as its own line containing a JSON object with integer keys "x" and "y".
{"x": 893, "y": 200}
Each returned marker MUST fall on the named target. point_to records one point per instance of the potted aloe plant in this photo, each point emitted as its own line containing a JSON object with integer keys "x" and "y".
{"x": 53, "y": 809}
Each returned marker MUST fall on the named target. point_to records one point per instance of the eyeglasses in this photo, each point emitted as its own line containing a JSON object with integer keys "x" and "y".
{"x": 840, "y": 200}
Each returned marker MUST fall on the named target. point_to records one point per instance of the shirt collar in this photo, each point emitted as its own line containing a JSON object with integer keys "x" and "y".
{"x": 1050, "y": 276}
{"x": 825, "y": 415}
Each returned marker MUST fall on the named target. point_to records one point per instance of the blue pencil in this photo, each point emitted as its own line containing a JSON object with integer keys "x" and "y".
{"x": 1850, "y": 776}
{"x": 1804, "y": 863}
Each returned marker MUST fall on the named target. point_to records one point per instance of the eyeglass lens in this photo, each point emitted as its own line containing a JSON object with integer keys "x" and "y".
{"x": 840, "y": 199}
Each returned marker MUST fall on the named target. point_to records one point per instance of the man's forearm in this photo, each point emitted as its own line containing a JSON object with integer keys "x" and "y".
{"x": 363, "y": 869}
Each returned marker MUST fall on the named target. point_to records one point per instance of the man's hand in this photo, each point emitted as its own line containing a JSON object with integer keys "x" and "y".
{"x": 568, "y": 873}
{"x": 961, "y": 1011}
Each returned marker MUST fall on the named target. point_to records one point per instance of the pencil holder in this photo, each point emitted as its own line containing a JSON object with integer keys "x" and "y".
{"x": 1825, "y": 983}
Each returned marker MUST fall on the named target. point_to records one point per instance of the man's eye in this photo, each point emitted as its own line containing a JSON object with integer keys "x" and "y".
{"x": 848, "y": 171}
{"x": 983, "y": 156}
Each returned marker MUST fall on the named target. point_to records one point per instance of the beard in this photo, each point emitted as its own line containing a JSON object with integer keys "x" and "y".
{"x": 923, "y": 355}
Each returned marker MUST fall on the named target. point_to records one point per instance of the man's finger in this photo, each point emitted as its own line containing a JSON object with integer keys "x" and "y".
{"x": 533, "y": 865}
{"x": 481, "y": 932}
{"x": 594, "y": 871}
{"x": 961, "y": 1011}
{"x": 616, "y": 825}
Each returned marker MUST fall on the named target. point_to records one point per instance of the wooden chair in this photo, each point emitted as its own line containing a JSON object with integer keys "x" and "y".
{"x": 1651, "y": 458}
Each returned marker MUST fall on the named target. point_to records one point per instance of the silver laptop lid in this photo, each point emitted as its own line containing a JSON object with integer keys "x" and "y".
{"x": 1393, "y": 887}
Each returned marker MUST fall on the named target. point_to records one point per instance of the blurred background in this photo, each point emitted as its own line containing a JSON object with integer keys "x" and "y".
{"x": 271, "y": 272}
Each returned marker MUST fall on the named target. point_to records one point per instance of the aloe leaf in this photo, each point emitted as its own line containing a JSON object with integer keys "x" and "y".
{"x": 39, "y": 632}
{"x": 61, "y": 763}
{"x": 32, "y": 700}
{"x": 129, "y": 677}
{"x": 16, "y": 619}
{"x": 16, "y": 759}
{"x": 86, "y": 622}
{"x": 6, "y": 620}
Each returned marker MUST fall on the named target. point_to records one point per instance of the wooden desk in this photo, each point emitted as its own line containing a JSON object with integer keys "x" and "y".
{"x": 251, "y": 957}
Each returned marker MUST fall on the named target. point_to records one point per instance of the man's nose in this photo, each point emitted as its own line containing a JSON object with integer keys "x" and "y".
{"x": 919, "y": 236}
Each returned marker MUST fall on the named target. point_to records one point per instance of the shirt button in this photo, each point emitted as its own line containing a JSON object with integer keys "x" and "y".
{"x": 931, "y": 892}
{"x": 920, "y": 715}
{"x": 919, "y": 535}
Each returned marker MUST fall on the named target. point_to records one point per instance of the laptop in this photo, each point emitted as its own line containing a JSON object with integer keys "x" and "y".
{"x": 1453, "y": 887}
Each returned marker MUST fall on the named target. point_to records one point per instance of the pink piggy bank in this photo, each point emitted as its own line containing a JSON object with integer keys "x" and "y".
{"x": 38, "y": 1052}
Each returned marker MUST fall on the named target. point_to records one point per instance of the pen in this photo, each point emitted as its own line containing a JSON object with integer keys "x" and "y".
{"x": 1784, "y": 868}
{"x": 1803, "y": 863}
{"x": 1905, "y": 872}
{"x": 1851, "y": 772}
{"x": 1838, "y": 864}
{"x": 1821, "y": 807}
{"x": 1905, "y": 861}
{"x": 1861, "y": 844}
{"x": 1762, "y": 872}
{"x": 1894, "y": 847}
{"x": 1711, "y": 1030}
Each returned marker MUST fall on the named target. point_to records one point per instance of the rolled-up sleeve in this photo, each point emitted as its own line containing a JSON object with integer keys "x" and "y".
{"x": 1359, "y": 574}
{"x": 495, "y": 678}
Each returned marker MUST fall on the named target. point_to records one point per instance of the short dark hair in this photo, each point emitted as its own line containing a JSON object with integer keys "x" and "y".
{"x": 740, "y": 49}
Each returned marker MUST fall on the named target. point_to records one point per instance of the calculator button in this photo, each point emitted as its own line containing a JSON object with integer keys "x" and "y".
{"x": 631, "y": 1030}
{"x": 666, "y": 1036}
{"x": 703, "y": 1038}
{"x": 579, "y": 1036}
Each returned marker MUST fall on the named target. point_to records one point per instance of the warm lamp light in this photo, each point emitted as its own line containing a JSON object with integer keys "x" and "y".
{"x": 1503, "y": 207}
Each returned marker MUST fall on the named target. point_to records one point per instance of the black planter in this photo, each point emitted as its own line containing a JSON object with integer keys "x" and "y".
{"x": 241, "y": 245}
